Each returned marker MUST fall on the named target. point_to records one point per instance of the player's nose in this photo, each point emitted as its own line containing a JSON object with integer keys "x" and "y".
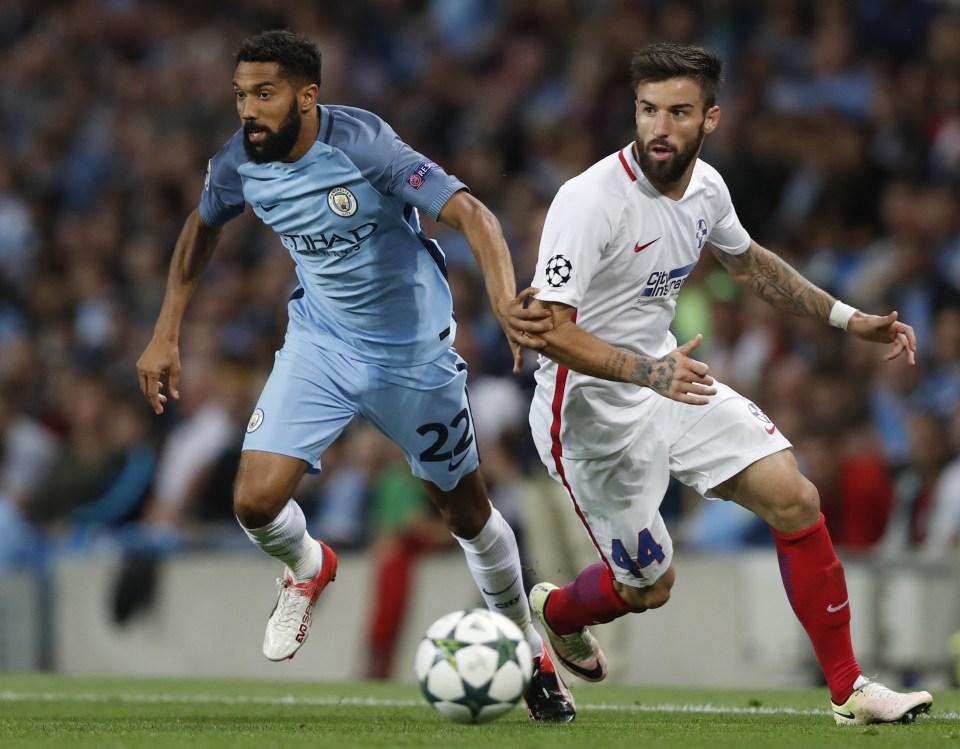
{"x": 661, "y": 125}
{"x": 248, "y": 109}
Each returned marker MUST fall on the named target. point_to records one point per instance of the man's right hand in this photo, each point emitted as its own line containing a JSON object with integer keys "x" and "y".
{"x": 160, "y": 359}
{"x": 680, "y": 378}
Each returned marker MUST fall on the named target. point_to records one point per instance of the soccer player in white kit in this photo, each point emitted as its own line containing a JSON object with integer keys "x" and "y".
{"x": 619, "y": 407}
{"x": 370, "y": 330}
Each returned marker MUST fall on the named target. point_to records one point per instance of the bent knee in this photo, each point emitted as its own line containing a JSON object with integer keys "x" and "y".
{"x": 256, "y": 506}
{"x": 249, "y": 512}
{"x": 797, "y": 508}
{"x": 262, "y": 490}
{"x": 255, "y": 510}
{"x": 651, "y": 597}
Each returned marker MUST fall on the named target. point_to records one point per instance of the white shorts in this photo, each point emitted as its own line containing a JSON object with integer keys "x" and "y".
{"x": 618, "y": 496}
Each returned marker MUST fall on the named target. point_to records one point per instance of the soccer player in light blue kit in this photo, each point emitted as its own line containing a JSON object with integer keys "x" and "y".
{"x": 370, "y": 329}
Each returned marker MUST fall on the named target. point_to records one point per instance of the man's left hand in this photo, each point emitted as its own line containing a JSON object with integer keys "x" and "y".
{"x": 885, "y": 329}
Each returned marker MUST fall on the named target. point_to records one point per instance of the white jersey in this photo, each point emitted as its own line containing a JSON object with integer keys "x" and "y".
{"x": 619, "y": 251}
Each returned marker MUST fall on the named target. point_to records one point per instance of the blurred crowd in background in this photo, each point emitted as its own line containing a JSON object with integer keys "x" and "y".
{"x": 839, "y": 139}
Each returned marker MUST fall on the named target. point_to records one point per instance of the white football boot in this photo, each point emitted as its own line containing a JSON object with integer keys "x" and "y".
{"x": 579, "y": 652}
{"x": 289, "y": 623}
{"x": 871, "y": 702}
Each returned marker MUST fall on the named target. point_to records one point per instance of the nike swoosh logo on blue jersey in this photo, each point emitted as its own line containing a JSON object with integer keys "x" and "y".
{"x": 268, "y": 208}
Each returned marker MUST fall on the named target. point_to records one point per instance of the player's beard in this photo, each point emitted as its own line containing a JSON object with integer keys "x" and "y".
{"x": 276, "y": 145}
{"x": 671, "y": 170}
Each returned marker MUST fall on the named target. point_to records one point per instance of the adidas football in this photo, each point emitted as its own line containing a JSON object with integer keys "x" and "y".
{"x": 473, "y": 665}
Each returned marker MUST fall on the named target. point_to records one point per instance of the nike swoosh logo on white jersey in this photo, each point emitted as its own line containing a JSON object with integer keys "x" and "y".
{"x": 637, "y": 247}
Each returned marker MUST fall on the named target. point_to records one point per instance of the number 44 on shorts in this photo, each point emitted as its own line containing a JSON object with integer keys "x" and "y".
{"x": 648, "y": 552}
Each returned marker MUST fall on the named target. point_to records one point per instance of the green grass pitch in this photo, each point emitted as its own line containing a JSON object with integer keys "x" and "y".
{"x": 102, "y": 713}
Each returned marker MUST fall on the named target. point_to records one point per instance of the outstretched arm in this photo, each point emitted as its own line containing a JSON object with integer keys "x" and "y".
{"x": 675, "y": 375}
{"x": 474, "y": 220}
{"x": 781, "y": 286}
{"x": 161, "y": 358}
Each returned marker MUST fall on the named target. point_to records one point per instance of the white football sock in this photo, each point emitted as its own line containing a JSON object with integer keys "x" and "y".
{"x": 494, "y": 562}
{"x": 286, "y": 538}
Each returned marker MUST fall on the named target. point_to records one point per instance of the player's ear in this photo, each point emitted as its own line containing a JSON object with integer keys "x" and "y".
{"x": 307, "y": 97}
{"x": 711, "y": 119}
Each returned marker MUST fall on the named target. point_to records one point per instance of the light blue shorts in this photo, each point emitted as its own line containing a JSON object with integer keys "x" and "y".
{"x": 312, "y": 394}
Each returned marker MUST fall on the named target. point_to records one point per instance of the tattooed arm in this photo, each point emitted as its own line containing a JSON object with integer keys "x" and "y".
{"x": 781, "y": 286}
{"x": 774, "y": 281}
{"x": 675, "y": 375}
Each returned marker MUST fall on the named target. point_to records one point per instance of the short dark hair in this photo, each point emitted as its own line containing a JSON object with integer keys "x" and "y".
{"x": 297, "y": 56}
{"x": 663, "y": 60}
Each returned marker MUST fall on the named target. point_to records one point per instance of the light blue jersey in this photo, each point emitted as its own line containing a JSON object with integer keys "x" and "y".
{"x": 371, "y": 323}
{"x": 372, "y": 286}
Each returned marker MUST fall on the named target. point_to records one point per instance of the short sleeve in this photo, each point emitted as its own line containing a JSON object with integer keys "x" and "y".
{"x": 576, "y": 232}
{"x": 222, "y": 196}
{"x": 389, "y": 164}
{"x": 727, "y": 233}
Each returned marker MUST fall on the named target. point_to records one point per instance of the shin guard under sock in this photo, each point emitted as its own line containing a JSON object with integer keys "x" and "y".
{"x": 817, "y": 590}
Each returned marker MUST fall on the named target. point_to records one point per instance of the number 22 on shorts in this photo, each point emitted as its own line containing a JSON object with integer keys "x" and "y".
{"x": 459, "y": 425}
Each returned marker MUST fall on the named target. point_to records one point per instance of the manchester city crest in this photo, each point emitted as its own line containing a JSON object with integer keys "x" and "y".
{"x": 342, "y": 201}
{"x": 256, "y": 419}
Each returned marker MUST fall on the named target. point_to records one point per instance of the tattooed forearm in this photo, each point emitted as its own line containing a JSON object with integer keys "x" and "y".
{"x": 615, "y": 365}
{"x": 777, "y": 283}
{"x": 656, "y": 374}
{"x": 781, "y": 286}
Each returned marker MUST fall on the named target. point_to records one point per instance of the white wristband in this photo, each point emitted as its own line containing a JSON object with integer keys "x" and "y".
{"x": 840, "y": 315}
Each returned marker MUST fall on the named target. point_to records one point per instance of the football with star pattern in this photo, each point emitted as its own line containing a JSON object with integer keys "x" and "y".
{"x": 473, "y": 665}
